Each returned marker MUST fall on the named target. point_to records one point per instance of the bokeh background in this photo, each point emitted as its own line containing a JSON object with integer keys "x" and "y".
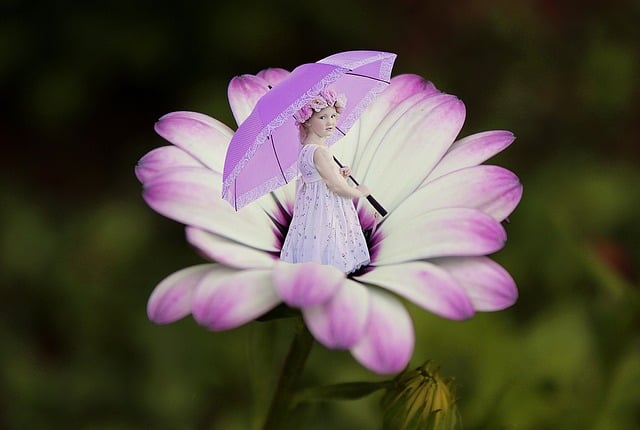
{"x": 81, "y": 85}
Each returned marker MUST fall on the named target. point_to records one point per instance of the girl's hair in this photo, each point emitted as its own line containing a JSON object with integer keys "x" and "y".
{"x": 327, "y": 97}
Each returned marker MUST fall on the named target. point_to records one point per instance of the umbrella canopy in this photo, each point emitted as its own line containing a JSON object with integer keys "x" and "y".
{"x": 263, "y": 152}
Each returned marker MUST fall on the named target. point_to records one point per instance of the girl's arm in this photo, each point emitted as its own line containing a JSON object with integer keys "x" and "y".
{"x": 336, "y": 183}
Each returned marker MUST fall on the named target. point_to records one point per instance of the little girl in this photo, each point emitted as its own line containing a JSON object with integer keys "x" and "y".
{"x": 325, "y": 228}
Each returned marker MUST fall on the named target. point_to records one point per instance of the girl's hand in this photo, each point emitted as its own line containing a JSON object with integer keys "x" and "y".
{"x": 345, "y": 171}
{"x": 364, "y": 190}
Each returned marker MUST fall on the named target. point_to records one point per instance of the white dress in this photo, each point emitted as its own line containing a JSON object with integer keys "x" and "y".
{"x": 325, "y": 228}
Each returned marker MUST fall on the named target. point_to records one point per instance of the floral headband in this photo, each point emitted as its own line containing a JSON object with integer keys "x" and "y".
{"x": 327, "y": 97}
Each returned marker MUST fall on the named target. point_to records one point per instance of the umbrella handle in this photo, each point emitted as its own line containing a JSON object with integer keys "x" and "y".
{"x": 382, "y": 211}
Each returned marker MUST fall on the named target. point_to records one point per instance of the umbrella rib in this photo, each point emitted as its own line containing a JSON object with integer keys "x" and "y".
{"x": 373, "y": 78}
{"x": 275, "y": 153}
{"x": 360, "y": 75}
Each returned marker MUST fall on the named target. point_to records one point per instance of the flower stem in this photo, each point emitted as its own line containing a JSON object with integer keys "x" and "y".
{"x": 291, "y": 371}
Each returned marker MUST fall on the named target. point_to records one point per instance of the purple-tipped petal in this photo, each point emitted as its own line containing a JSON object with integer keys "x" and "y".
{"x": 371, "y": 129}
{"x": 358, "y": 147}
{"x": 244, "y": 92}
{"x": 171, "y": 299}
{"x": 406, "y": 84}
{"x": 413, "y": 145}
{"x": 488, "y": 284}
{"x": 388, "y": 341}
{"x": 306, "y": 284}
{"x": 162, "y": 159}
{"x": 228, "y": 252}
{"x": 491, "y": 189}
{"x": 472, "y": 150}
{"x": 205, "y": 138}
{"x": 227, "y": 298}
{"x": 426, "y": 285}
{"x": 340, "y": 322}
{"x": 402, "y": 87}
{"x": 273, "y": 75}
{"x": 439, "y": 233}
{"x": 192, "y": 196}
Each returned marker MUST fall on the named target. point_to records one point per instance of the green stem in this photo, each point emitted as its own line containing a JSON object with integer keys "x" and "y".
{"x": 291, "y": 371}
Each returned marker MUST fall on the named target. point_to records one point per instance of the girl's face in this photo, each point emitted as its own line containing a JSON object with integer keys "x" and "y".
{"x": 323, "y": 123}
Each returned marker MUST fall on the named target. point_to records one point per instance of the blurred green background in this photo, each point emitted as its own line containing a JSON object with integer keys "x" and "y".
{"x": 82, "y": 84}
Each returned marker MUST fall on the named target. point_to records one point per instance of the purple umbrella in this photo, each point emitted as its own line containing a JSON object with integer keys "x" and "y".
{"x": 263, "y": 152}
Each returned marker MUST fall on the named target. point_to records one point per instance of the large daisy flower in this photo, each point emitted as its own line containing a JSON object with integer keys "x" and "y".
{"x": 445, "y": 216}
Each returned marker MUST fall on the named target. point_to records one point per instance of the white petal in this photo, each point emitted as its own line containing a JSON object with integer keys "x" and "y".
{"x": 306, "y": 284}
{"x": 228, "y": 252}
{"x": 426, "y": 285}
{"x": 244, "y": 92}
{"x": 162, "y": 159}
{"x": 488, "y": 284}
{"x": 473, "y": 150}
{"x": 203, "y": 137}
{"x": 192, "y": 196}
{"x": 373, "y": 135}
{"x": 439, "y": 233}
{"x": 229, "y": 298}
{"x": 402, "y": 87}
{"x": 491, "y": 189}
{"x": 412, "y": 146}
{"x": 340, "y": 322}
{"x": 388, "y": 341}
{"x": 171, "y": 299}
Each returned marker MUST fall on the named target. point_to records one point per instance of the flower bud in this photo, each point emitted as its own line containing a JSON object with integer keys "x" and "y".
{"x": 420, "y": 399}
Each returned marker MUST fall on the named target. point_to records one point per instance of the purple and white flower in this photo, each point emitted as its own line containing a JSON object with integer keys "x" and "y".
{"x": 445, "y": 217}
